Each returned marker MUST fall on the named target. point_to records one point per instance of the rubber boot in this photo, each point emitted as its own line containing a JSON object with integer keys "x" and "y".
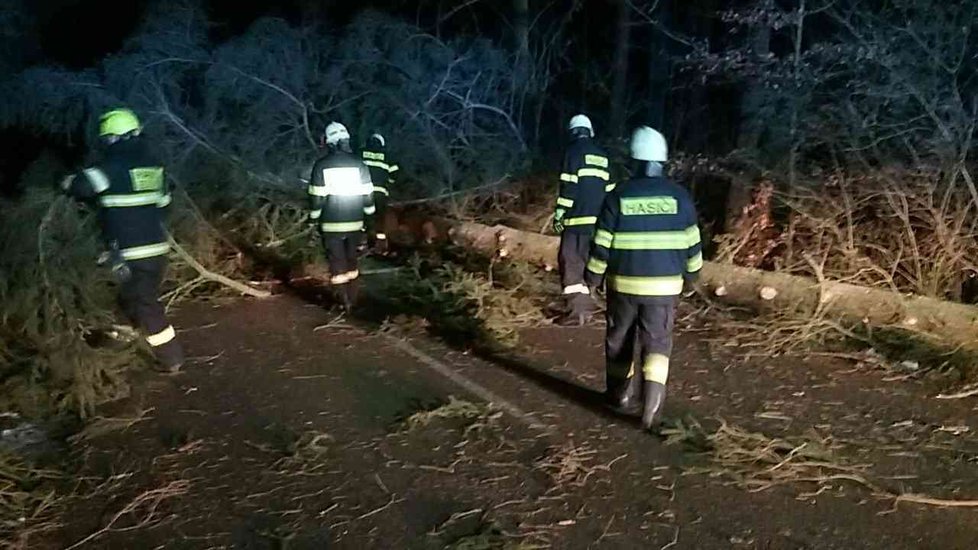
{"x": 169, "y": 357}
{"x": 622, "y": 395}
{"x": 351, "y": 291}
{"x": 344, "y": 297}
{"x": 655, "y": 396}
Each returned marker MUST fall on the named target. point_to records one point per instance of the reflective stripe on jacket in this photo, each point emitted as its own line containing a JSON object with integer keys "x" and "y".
{"x": 584, "y": 180}
{"x": 647, "y": 240}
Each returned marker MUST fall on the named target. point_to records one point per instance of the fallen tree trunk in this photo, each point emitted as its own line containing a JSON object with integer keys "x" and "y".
{"x": 953, "y": 324}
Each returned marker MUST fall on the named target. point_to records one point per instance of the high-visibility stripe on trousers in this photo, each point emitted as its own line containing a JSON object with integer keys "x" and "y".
{"x": 139, "y": 299}
{"x": 341, "y": 253}
{"x": 643, "y": 325}
{"x": 572, "y": 259}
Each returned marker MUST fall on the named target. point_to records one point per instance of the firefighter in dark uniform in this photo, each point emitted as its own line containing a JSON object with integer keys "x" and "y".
{"x": 382, "y": 173}
{"x": 584, "y": 180}
{"x": 131, "y": 195}
{"x": 646, "y": 248}
{"x": 342, "y": 203}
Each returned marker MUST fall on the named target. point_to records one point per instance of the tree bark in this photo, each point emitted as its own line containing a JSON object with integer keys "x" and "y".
{"x": 751, "y": 122}
{"x": 660, "y": 69}
{"x": 619, "y": 108}
{"x": 951, "y": 324}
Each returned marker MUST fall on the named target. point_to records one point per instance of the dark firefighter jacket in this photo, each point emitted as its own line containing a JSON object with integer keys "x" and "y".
{"x": 382, "y": 171}
{"x": 131, "y": 194}
{"x": 647, "y": 240}
{"x": 341, "y": 193}
{"x": 584, "y": 181}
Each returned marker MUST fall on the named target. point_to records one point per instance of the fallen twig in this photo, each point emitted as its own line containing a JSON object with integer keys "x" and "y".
{"x": 971, "y": 391}
{"x": 150, "y": 500}
{"x": 208, "y": 275}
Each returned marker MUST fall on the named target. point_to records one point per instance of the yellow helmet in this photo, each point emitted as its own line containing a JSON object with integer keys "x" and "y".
{"x": 118, "y": 123}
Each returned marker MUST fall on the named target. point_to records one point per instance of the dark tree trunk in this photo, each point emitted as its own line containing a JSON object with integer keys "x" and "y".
{"x": 750, "y": 125}
{"x": 619, "y": 109}
{"x": 660, "y": 70}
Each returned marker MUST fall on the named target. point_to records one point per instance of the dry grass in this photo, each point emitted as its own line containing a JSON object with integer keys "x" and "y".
{"x": 569, "y": 465}
{"x": 456, "y": 409}
{"x": 907, "y": 231}
{"x": 758, "y": 462}
{"x": 25, "y": 499}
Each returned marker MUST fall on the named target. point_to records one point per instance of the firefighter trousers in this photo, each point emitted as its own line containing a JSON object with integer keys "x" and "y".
{"x": 381, "y": 201}
{"x": 342, "y": 250}
{"x": 639, "y": 326}
{"x": 139, "y": 298}
{"x": 575, "y": 246}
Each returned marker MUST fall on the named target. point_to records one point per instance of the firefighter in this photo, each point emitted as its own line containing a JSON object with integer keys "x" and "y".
{"x": 342, "y": 203}
{"x": 584, "y": 181}
{"x": 382, "y": 173}
{"x": 130, "y": 193}
{"x": 646, "y": 248}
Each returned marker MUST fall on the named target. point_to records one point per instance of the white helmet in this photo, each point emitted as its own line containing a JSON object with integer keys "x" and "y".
{"x": 581, "y": 121}
{"x": 335, "y": 133}
{"x": 649, "y": 145}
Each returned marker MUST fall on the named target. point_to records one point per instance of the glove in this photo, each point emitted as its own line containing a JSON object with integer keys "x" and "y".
{"x": 559, "y": 221}
{"x": 65, "y": 185}
{"x": 121, "y": 272}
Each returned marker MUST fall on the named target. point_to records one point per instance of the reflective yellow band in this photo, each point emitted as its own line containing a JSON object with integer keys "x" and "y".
{"x": 165, "y": 336}
{"x": 647, "y": 286}
{"x": 652, "y": 240}
{"x": 567, "y": 203}
{"x": 579, "y": 288}
{"x": 583, "y": 220}
{"x": 569, "y": 178}
{"x": 318, "y": 191}
{"x": 610, "y": 187}
{"x": 369, "y": 210}
{"x": 377, "y": 164}
{"x": 394, "y": 168}
{"x": 379, "y": 189}
{"x": 165, "y": 201}
{"x": 344, "y": 278}
{"x": 98, "y": 179}
{"x": 604, "y": 238}
{"x": 373, "y": 156}
{"x": 596, "y": 266}
{"x": 656, "y": 368}
{"x": 695, "y": 263}
{"x": 381, "y": 236}
{"x": 126, "y": 201}
{"x": 692, "y": 235}
{"x": 596, "y": 160}
{"x": 145, "y": 251}
{"x": 593, "y": 173}
{"x": 341, "y": 227}
{"x": 314, "y": 214}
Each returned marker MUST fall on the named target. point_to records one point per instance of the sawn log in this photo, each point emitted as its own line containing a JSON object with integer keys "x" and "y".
{"x": 952, "y": 324}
